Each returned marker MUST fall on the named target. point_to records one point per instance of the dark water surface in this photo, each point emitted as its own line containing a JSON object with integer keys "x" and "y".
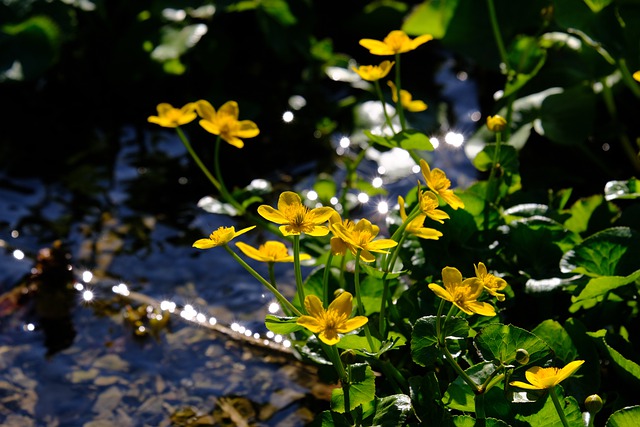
{"x": 69, "y": 358}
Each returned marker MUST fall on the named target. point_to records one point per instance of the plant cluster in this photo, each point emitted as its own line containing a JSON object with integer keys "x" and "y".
{"x": 479, "y": 306}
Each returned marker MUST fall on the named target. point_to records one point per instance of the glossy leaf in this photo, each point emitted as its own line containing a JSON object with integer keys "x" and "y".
{"x": 361, "y": 390}
{"x": 424, "y": 342}
{"x": 281, "y": 325}
{"x": 392, "y": 411}
{"x": 430, "y": 17}
{"x": 625, "y": 417}
{"x": 500, "y": 342}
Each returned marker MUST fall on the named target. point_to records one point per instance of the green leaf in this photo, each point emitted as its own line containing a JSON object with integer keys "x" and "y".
{"x": 599, "y": 286}
{"x": 361, "y": 389}
{"x": 611, "y": 252}
{"x": 597, "y": 5}
{"x": 431, "y": 17}
{"x": 380, "y": 140}
{"x": 500, "y": 342}
{"x": 281, "y": 325}
{"x": 330, "y": 419}
{"x": 424, "y": 341}
{"x": 459, "y": 394}
{"x": 558, "y": 339}
{"x": 279, "y": 10}
{"x": 567, "y": 118}
{"x": 526, "y": 58}
{"x": 581, "y": 212}
{"x": 625, "y": 417}
{"x": 325, "y": 187}
{"x": 411, "y": 139}
{"x": 547, "y": 416}
{"x": 468, "y": 421}
{"x": 622, "y": 189}
{"x": 629, "y": 367}
{"x": 379, "y": 274}
{"x": 508, "y": 158}
{"x": 392, "y": 411}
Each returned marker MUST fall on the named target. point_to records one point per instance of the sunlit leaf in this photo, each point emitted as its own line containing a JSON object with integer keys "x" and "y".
{"x": 392, "y": 411}
{"x": 597, "y": 5}
{"x": 431, "y": 17}
{"x": 378, "y": 139}
{"x": 460, "y": 395}
{"x": 558, "y": 340}
{"x": 629, "y": 367}
{"x": 507, "y": 159}
{"x": 622, "y": 189}
{"x": 500, "y": 342}
{"x": 468, "y": 421}
{"x": 599, "y": 286}
{"x": 411, "y": 139}
{"x": 281, "y": 325}
{"x": 611, "y": 252}
{"x": 547, "y": 415}
{"x": 361, "y": 390}
{"x": 424, "y": 339}
{"x": 625, "y": 417}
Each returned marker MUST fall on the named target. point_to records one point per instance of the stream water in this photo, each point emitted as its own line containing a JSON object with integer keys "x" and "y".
{"x": 81, "y": 363}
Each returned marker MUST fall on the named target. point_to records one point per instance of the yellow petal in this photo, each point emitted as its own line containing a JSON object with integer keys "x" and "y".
{"x": 475, "y": 287}
{"x": 524, "y": 385}
{"x": 451, "y": 276}
{"x": 244, "y": 230}
{"x": 204, "y": 244}
{"x": 378, "y": 245}
{"x": 481, "y": 308}
{"x": 320, "y": 215}
{"x": 342, "y": 304}
{"x": 427, "y": 233}
{"x": 229, "y": 108}
{"x": 329, "y": 337}
{"x": 271, "y": 214}
{"x": 420, "y": 40}
{"x": 247, "y": 129}
{"x": 314, "y": 307}
{"x": 318, "y": 231}
{"x": 288, "y": 231}
{"x": 210, "y": 127}
{"x": 232, "y": 140}
{"x": 205, "y": 109}
{"x": 568, "y": 370}
{"x": 352, "y": 324}
{"x": 287, "y": 199}
{"x": 441, "y": 292}
{"x": 376, "y": 47}
{"x": 311, "y": 323}
{"x": 366, "y": 256}
{"x": 251, "y": 252}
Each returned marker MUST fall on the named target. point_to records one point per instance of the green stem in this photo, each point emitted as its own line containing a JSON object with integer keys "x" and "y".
{"x": 272, "y": 274}
{"x": 386, "y": 298}
{"x": 466, "y": 378}
{"x": 498, "y": 36}
{"x": 195, "y": 157}
{"x": 384, "y": 106}
{"x": 281, "y": 299}
{"x": 361, "y": 311}
{"x": 399, "y": 106}
{"x": 481, "y": 418}
{"x": 558, "y": 405}
{"x": 223, "y": 189}
{"x": 325, "y": 280}
{"x": 297, "y": 270}
{"x": 627, "y": 77}
{"x": 332, "y": 353}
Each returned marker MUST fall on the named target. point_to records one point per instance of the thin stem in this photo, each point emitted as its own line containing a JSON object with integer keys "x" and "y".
{"x": 361, "y": 311}
{"x": 399, "y": 106}
{"x": 558, "y": 405}
{"x": 297, "y": 270}
{"x": 187, "y": 144}
{"x": 332, "y": 353}
{"x": 223, "y": 189}
{"x": 272, "y": 274}
{"x": 325, "y": 280}
{"x": 627, "y": 77}
{"x": 384, "y": 106}
{"x": 385, "y": 289}
{"x": 281, "y": 299}
{"x": 498, "y": 36}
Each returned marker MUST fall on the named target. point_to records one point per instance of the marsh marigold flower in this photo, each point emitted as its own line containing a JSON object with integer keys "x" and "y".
{"x": 406, "y": 99}
{"x": 416, "y": 226}
{"x": 220, "y": 237}
{"x": 339, "y": 246}
{"x": 546, "y": 378}
{"x": 496, "y": 123}
{"x": 396, "y": 41}
{"x": 373, "y": 73}
{"x": 332, "y": 321}
{"x": 361, "y": 237}
{"x": 225, "y": 123}
{"x": 269, "y": 251}
{"x": 490, "y": 282}
{"x": 295, "y": 218}
{"x": 462, "y": 293}
{"x": 437, "y": 181}
{"x": 429, "y": 205}
{"x": 171, "y": 117}
{"x": 636, "y": 75}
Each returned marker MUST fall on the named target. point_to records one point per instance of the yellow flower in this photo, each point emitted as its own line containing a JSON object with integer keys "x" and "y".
{"x": 636, "y": 75}
{"x": 546, "y": 378}
{"x": 429, "y": 205}
{"x": 270, "y": 251}
{"x": 220, "y": 237}
{"x": 396, "y": 41}
{"x": 339, "y": 246}
{"x": 373, "y": 73}
{"x": 462, "y": 293}
{"x": 360, "y": 237}
{"x": 437, "y": 181}
{"x": 295, "y": 217}
{"x": 490, "y": 282}
{"x": 171, "y": 117}
{"x": 333, "y": 321}
{"x": 496, "y": 123}
{"x": 416, "y": 226}
{"x": 406, "y": 99}
{"x": 225, "y": 122}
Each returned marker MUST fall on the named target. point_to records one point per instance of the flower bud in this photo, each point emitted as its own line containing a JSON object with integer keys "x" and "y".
{"x": 593, "y": 404}
{"x": 496, "y": 123}
{"x": 338, "y": 292}
{"x": 348, "y": 357}
{"x": 522, "y": 356}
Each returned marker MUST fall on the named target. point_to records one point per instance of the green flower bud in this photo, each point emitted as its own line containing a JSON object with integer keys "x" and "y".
{"x": 593, "y": 404}
{"x": 522, "y": 356}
